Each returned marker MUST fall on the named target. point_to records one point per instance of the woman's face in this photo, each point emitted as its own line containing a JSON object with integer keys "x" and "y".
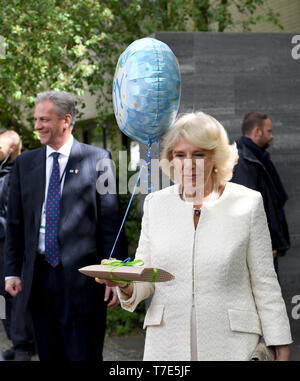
{"x": 193, "y": 165}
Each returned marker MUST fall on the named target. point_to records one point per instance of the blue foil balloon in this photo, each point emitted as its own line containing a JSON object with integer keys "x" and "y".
{"x": 146, "y": 90}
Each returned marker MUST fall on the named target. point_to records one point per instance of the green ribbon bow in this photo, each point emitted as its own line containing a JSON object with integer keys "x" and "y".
{"x": 127, "y": 262}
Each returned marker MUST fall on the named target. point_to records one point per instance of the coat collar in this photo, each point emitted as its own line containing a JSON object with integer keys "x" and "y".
{"x": 75, "y": 157}
{"x": 247, "y": 154}
{"x": 72, "y": 178}
{"x": 64, "y": 150}
{"x": 37, "y": 175}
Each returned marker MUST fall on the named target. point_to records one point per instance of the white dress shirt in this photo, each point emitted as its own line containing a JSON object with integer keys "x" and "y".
{"x": 62, "y": 160}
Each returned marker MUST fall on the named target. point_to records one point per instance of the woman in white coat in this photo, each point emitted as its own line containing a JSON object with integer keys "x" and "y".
{"x": 213, "y": 236}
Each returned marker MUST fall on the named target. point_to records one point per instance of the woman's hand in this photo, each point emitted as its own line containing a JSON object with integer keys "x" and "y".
{"x": 108, "y": 283}
{"x": 282, "y": 353}
{"x": 114, "y": 300}
{"x": 111, "y": 287}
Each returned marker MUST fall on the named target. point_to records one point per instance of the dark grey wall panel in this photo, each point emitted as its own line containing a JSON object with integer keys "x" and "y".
{"x": 230, "y": 74}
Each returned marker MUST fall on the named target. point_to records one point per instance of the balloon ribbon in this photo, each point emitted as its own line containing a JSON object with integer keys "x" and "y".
{"x": 147, "y": 162}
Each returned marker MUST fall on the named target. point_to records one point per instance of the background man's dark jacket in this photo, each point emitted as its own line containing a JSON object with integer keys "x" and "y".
{"x": 17, "y": 324}
{"x": 89, "y": 223}
{"x": 255, "y": 171}
{"x": 4, "y": 189}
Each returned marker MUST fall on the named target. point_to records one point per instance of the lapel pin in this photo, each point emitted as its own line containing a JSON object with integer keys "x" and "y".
{"x": 74, "y": 171}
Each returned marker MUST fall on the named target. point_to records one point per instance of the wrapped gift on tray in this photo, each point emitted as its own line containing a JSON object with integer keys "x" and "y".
{"x": 126, "y": 272}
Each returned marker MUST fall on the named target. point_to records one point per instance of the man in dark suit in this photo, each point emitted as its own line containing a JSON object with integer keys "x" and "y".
{"x": 256, "y": 170}
{"x": 57, "y": 223}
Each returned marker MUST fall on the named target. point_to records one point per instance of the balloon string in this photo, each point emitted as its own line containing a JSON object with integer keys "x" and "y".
{"x": 146, "y": 163}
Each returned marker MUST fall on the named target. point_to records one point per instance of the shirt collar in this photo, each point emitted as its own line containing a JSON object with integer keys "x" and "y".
{"x": 64, "y": 150}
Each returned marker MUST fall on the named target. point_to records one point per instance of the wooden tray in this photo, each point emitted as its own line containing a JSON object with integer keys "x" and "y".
{"x": 134, "y": 273}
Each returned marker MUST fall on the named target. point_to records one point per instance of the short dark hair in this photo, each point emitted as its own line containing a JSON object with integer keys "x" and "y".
{"x": 251, "y": 120}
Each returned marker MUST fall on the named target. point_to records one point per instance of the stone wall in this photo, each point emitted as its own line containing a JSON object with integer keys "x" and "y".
{"x": 230, "y": 74}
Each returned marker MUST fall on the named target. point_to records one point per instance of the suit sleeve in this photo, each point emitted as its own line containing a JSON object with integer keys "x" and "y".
{"x": 110, "y": 214}
{"x": 141, "y": 290}
{"x": 14, "y": 242}
{"x": 265, "y": 287}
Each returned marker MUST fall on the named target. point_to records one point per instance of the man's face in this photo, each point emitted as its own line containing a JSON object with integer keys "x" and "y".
{"x": 266, "y": 137}
{"x": 49, "y": 125}
{"x": 5, "y": 146}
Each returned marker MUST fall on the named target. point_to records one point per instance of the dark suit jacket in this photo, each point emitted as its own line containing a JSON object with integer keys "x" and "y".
{"x": 89, "y": 223}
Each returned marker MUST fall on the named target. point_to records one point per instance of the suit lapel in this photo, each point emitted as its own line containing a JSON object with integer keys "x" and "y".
{"x": 71, "y": 187}
{"x": 37, "y": 174}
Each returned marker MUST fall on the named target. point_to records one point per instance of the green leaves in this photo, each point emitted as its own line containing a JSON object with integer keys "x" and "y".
{"x": 17, "y": 95}
{"x": 122, "y": 322}
{"x": 74, "y": 45}
{"x": 51, "y": 48}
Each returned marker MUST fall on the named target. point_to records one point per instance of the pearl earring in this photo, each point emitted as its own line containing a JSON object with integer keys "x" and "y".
{"x": 216, "y": 170}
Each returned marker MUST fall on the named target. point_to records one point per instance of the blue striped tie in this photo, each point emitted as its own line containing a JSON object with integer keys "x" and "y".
{"x": 52, "y": 251}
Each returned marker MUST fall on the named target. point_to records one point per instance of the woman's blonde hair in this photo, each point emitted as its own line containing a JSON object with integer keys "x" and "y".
{"x": 207, "y": 133}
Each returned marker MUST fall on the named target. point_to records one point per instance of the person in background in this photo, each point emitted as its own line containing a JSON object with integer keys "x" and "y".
{"x": 17, "y": 324}
{"x": 58, "y": 221}
{"x": 255, "y": 170}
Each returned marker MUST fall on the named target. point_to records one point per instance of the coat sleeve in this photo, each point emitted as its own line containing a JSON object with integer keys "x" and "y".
{"x": 14, "y": 242}
{"x": 141, "y": 290}
{"x": 265, "y": 287}
{"x": 246, "y": 173}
